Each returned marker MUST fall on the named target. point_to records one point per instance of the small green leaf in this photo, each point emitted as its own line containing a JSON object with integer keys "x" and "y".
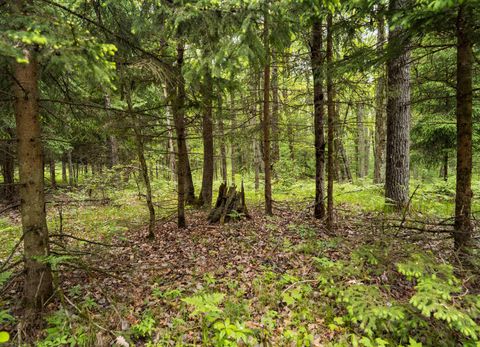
{"x": 4, "y": 337}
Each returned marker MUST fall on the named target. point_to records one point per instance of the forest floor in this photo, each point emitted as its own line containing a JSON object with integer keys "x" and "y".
{"x": 255, "y": 281}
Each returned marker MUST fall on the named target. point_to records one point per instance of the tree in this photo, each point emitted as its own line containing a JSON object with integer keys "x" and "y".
{"x": 266, "y": 123}
{"x": 398, "y": 111}
{"x": 317, "y": 71}
{"x": 205, "y": 197}
{"x": 38, "y": 276}
{"x": 463, "y": 197}
{"x": 379, "y": 149}
{"x": 331, "y": 124}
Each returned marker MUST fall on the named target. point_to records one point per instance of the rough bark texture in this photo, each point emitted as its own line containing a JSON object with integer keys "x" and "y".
{"x": 53, "y": 177}
{"x": 233, "y": 152}
{"x": 175, "y": 90}
{"x": 7, "y": 154}
{"x": 71, "y": 174}
{"x": 360, "y": 143}
{"x": 38, "y": 276}
{"x": 331, "y": 125}
{"x": 266, "y": 117}
{"x": 275, "y": 114}
{"x": 380, "y": 137}
{"x": 170, "y": 157}
{"x": 205, "y": 197}
{"x": 223, "y": 147}
{"x": 317, "y": 71}
{"x": 398, "y": 114}
{"x": 463, "y": 197}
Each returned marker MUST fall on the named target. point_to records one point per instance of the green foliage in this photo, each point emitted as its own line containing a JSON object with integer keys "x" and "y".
{"x": 145, "y": 327}
{"x": 66, "y": 329}
{"x": 435, "y": 313}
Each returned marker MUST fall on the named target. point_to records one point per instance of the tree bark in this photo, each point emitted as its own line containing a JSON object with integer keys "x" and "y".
{"x": 38, "y": 277}
{"x": 275, "y": 114}
{"x": 463, "y": 197}
{"x": 8, "y": 166}
{"x": 223, "y": 148}
{"x": 53, "y": 177}
{"x": 71, "y": 175}
{"x": 380, "y": 139}
{"x": 64, "y": 169}
{"x": 266, "y": 116}
{"x": 331, "y": 125}
{"x": 233, "y": 151}
{"x": 398, "y": 114}
{"x": 360, "y": 143}
{"x": 317, "y": 71}
{"x": 140, "y": 147}
{"x": 170, "y": 141}
{"x": 177, "y": 89}
{"x": 205, "y": 197}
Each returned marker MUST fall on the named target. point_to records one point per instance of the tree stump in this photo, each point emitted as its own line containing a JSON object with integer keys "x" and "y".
{"x": 230, "y": 205}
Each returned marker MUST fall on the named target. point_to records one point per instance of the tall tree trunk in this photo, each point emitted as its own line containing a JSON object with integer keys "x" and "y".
{"x": 380, "y": 139}
{"x": 205, "y": 197}
{"x": 140, "y": 147}
{"x": 360, "y": 143}
{"x": 170, "y": 142}
{"x": 71, "y": 174}
{"x": 366, "y": 151}
{"x": 445, "y": 167}
{"x": 266, "y": 124}
{"x": 112, "y": 140}
{"x": 233, "y": 130}
{"x": 275, "y": 114}
{"x": 398, "y": 113}
{"x": 317, "y": 71}
{"x": 189, "y": 187}
{"x": 463, "y": 197}
{"x": 8, "y": 166}
{"x": 177, "y": 92}
{"x": 64, "y": 169}
{"x": 331, "y": 125}
{"x": 38, "y": 276}
{"x": 53, "y": 177}
{"x": 223, "y": 148}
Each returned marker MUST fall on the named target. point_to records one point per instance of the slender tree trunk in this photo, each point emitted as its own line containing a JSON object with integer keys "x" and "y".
{"x": 38, "y": 276}
{"x": 331, "y": 125}
{"x": 463, "y": 197}
{"x": 205, "y": 197}
{"x": 189, "y": 187}
{"x": 380, "y": 138}
{"x": 140, "y": 147}
{"x": 223, "y": 148}
{"x": 178, "y": 110}
{"x": 71, "y": 174}
{"x": 53, "y": 177}
{"x": 233, "y": 131}
{"x": 398, "y": 114}
{"x": 8, "y": 166}
{"x": 266, "y": 116}
{"x": 64, "y": 169}
{"x": 445, "y": 167}
{"x": 170, "y": 142}
{"x": 275, "y": 114}
{"x": 317, "y": 71}
{"x": 360, "y": 143}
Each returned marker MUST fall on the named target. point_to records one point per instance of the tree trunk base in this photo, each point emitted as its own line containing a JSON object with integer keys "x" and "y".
{"x": 230, "y": 205}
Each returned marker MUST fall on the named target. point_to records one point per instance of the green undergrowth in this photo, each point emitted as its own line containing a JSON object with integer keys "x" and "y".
{"x": 344, "y": 292}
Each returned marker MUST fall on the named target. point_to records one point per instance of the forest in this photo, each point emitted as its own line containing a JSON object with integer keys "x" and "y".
{"x": 239, "y": 173}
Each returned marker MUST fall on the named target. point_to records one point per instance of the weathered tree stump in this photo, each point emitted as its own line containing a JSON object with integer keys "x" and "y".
{"x": 230, "y": 205}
